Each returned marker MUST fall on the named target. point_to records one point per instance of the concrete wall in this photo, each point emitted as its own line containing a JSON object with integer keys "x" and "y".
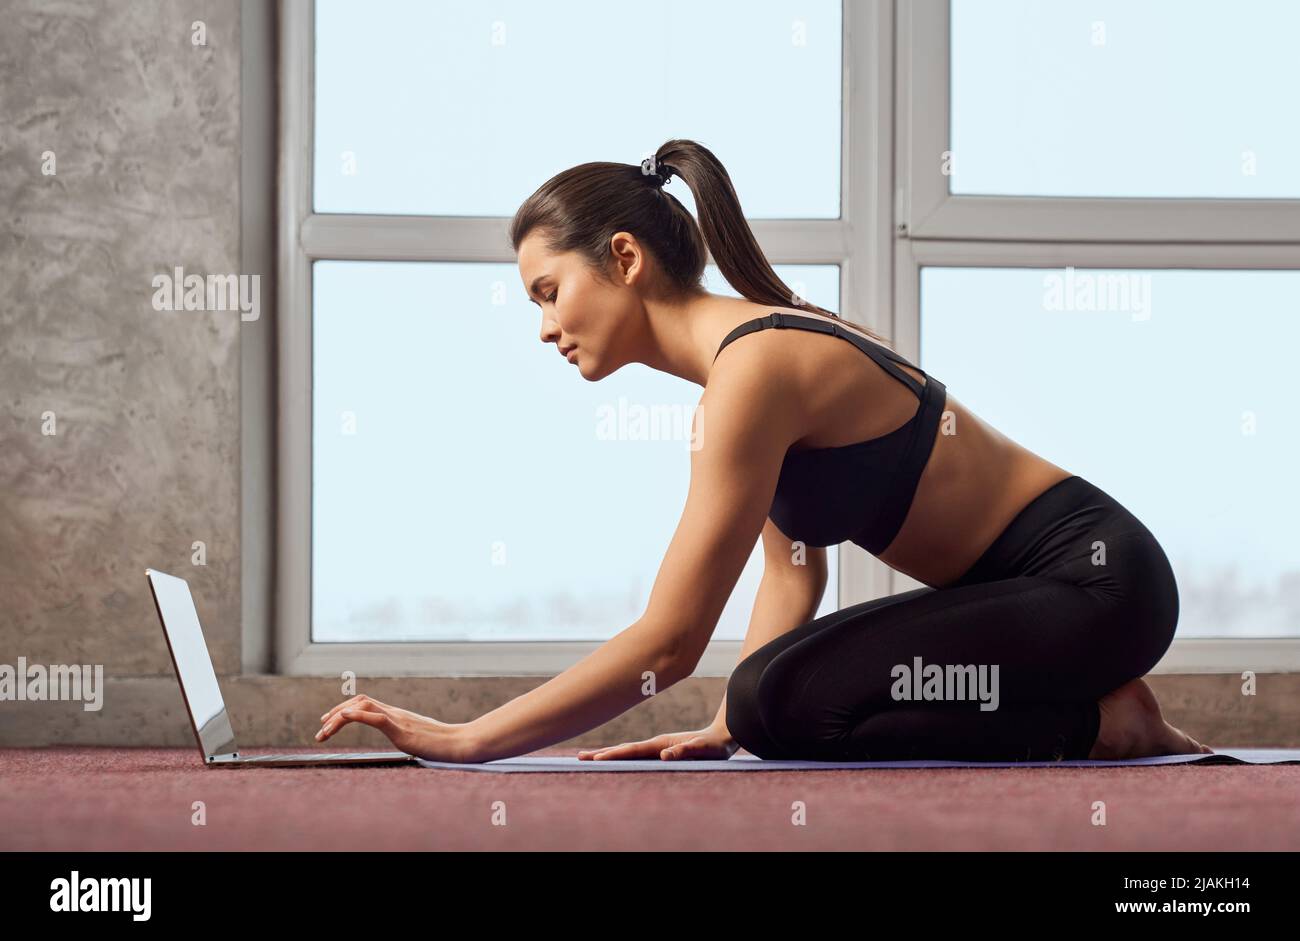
{"x": 145, "y": 128}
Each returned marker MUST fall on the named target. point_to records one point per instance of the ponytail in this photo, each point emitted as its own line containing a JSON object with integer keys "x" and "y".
{"x": 580, "y": 209}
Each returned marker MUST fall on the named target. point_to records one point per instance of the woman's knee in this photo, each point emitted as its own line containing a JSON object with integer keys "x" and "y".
{"x": 768, "y": 719}
{"x": 1152, "y": 591}
{"x": 745, "y": 709}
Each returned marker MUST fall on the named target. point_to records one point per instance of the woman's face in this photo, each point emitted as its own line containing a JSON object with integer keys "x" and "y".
{"x": 581, "y": 314}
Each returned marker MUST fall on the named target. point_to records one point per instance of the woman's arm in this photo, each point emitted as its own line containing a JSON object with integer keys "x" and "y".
{"x": 788, "y": 596}
{"x": 606, "y": 683}
{"x": 744, "y": 424}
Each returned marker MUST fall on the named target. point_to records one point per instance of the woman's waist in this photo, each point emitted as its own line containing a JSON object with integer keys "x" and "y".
{"x": 1067, "y": 522}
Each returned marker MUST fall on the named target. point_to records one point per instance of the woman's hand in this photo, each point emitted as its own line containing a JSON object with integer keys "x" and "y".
{"x": 412, "y": 733}
{"x": 711, "y": 742}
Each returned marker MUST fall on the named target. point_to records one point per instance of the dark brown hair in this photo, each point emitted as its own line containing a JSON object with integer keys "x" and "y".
{"x": 581, "y": 208}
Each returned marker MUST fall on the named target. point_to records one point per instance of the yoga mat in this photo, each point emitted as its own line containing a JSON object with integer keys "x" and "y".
{"x": 1226, "y": 756}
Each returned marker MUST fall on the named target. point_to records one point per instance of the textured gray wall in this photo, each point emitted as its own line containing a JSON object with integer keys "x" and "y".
{"x": 145, "y": 130}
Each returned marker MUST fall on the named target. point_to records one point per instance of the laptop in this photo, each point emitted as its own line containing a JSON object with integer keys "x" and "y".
{"x": 202, "y": 695}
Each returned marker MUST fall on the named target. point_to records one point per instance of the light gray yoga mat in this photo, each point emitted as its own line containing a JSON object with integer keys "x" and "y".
{"x": 1226, "y": 756}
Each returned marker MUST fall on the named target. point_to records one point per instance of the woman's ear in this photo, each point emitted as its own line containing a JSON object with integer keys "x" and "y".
{"x": 628, "y": 256}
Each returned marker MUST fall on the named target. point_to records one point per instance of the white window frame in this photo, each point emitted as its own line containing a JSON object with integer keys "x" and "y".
{"x": 897, "y": 217}
{"x": 934, "y": 228}
{"x": 860, "y": 242}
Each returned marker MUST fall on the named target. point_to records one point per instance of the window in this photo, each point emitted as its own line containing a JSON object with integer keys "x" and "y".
{"x": 468, "y": 486}
{"x": 1163, "y": 98}
{"x": 924, "y": 167}
{"x": 1163, "y": 121}
{"x": 1098, "y": 251}
{"x": 1153, "y": 385}
{"x": 457, "y": 109}
{"x": 409, "y": 538}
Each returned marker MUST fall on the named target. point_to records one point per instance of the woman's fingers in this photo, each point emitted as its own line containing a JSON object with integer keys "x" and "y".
{"x": 611, "y": 751}
{"x": 664, "y": 747}
{"x": 648, "y": 748}
{"x": 346, "y": 704}
{"x": 360, "y": 701}
{"x": 682, "y": 749}
{"x": 351, "y": 714}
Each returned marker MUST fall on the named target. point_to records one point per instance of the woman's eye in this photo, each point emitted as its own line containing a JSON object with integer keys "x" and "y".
{"x": 553, "y": 296}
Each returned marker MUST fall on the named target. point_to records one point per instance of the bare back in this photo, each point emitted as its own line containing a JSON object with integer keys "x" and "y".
{"x": 974, "y": 483}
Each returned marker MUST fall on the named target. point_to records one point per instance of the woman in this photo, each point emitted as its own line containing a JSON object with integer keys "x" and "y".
{"x": 818, "y": 433}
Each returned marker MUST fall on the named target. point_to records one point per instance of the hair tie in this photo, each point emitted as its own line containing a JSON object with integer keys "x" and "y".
{"x": 660, "y": 171}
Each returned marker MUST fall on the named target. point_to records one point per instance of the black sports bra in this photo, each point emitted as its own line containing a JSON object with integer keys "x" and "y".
{"x": 855, "y": 492}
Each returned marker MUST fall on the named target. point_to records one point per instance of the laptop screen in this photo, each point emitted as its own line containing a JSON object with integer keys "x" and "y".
{"x": 181, "y": 622}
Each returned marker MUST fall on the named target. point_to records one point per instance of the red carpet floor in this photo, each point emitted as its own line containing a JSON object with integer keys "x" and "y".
{"x": 81, "y": 798}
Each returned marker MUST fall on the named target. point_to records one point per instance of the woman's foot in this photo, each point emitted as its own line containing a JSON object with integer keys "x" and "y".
{"x": 1132, "y": 727}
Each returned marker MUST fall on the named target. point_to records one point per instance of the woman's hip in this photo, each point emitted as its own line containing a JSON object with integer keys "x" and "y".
{"x": 1076, "y": 532}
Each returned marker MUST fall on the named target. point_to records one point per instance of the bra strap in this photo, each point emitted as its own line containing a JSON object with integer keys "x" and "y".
{"x": 882, "y": 355}
{"x": 749, "y": 326}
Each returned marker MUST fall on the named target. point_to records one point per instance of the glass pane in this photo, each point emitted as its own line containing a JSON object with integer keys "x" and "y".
{"x": 1171, "y": 390}
{"x": 468, "y": 484}
{"x": 462, "y": 108}
{"x": 1163, "y": 98}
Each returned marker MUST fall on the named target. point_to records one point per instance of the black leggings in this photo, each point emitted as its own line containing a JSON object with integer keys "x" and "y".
{"x": 1072, "y": 600}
